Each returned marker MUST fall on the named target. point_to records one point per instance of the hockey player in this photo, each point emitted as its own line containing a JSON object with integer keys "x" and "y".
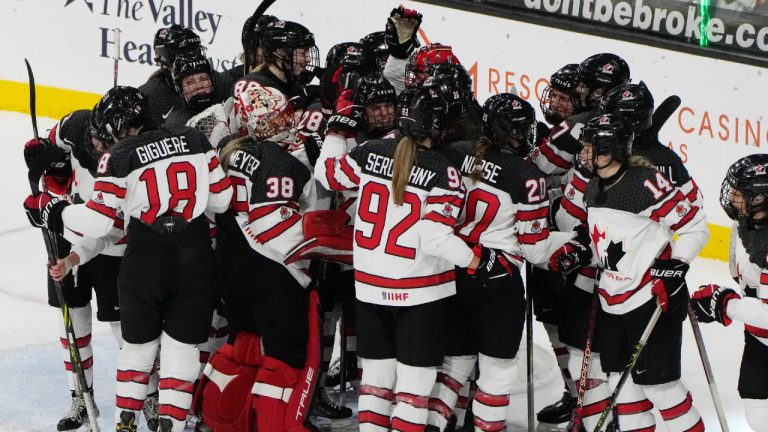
{"x": 400, "y": 35}
{"x": 633, "y": 212}
{"x": 404, "y": 253}
{"x": 506, "y": 209}
{"x": 250, "y": 37}
{"x": 376, "y": 43}
{"x": 162, "y": 180}
{"x": 598, "y": 74}
{"x": 273, "y": 189}
{"x": 743, "y": 197}
{"x": 195, "y": 82}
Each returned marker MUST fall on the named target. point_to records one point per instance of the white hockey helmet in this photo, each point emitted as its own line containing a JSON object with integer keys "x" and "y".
{"x": 263, "y": 112}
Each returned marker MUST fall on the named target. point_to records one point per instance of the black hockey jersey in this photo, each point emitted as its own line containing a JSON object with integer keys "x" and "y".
{"x": 162, "y": 96}
{"x": 668, "y": 163}
{"x": 631, "y": 223}
{"x": 749, "y": 266}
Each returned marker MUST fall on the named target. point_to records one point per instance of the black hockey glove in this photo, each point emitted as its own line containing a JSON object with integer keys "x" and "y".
{"x": 493, "y": 264}
{"x": 401, "y": 29}
{"x": 668, "y": 280}
{"x": 554, "y": 206}
{"x": 710, "y": 303}
{"x": 348, "y": 118}
{"x": 44, "y": 211}
{"x": 41, "y": 155}
{"x": 573, "y": 255}
{"x": 304, "y": 95}
{"x": 542, "y": 131}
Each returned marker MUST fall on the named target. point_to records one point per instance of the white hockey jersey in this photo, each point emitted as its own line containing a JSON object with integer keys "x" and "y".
{"x": 749, "y": 266}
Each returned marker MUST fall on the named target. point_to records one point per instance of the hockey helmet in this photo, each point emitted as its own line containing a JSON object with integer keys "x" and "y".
{"x": 600, "y": 73}
{"x": 560, "y": 100}
{"x": 744, "y": 192}
{"x": 608, "y": 134}
{"x": 120, "y": 108}
{"x": 423, "y": 59}
{"x": 422, "y": 113}
{"x": 194, "y": 80}
{"x": 291, "y": 47}
{"x": 458, "y": 80}
{"x": 377, "y": 96}
{"x": 172, "y": 41}
{"x": 251, "y": 36}
{"x": 508, "y": 121}
{"x": 375, "y": 44}
{"x": 632, "y": 101}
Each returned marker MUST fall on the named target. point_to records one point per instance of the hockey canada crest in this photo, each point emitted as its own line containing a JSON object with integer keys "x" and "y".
{"x": 607, "y": 68}
{"x": 759, "y": 169}
{"x": 447, "y": 210}
{"x": 285, "y": 213}
{"x": 681, "y": 209}
{"x": 536, "y": 227}
{"x": 571, "y": 194}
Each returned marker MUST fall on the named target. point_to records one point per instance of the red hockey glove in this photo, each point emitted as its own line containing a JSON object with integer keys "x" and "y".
{"x": 44, "y": 211}
{"x": 401, "y": 29}
{"x": 348, "y": 117}
{"x": 710, "y": 303}
{"x": 668, "y": 280}
{"x": 41, "y": 155}
{"x": 328, "y": 237}
{"x": 492, "y": 263}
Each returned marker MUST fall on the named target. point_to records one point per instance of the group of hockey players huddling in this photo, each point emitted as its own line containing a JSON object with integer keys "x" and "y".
{"x": 217, "y": 215}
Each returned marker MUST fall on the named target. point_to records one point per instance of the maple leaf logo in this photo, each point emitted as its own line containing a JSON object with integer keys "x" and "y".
{"x": 614, "y": 253}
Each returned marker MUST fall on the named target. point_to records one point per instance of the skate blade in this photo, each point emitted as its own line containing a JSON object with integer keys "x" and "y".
{"x": 551, "y": 427}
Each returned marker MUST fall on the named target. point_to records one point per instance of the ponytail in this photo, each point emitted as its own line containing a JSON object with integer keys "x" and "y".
{"x": 405, "y": 158}
{"x": 231, "y": 147}
{"x": 641, "y": 161}
{"x": 481, "y": 146}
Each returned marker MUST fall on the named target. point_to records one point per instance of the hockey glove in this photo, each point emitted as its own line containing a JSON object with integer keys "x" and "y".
{"x": 573, "y": 255}
{"x": 668, "y": 280}
{"x": 41, "y": 155}
{"x": 328, "y": 237}
{"x": 44, "y": 211}
{"x": 493, "y": 264}
{"x": 401, "y": 29}
{"x": 710, "y": 303}
{"x": 348, "y": 118}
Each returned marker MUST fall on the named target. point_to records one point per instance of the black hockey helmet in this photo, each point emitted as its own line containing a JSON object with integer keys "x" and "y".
{"x": 609, "y": 134}
{"x": 199, "y": 94}
{"x": 172, "y": 41}
{"x": 376, "y": 45}
{"x": 600, "y": 73}
{"x": 251, "y": 35}
{"x": 356, "y": 64}
{"x": 120, "y": 108}
{"x": 422, "y": 113}
{"x": 459, "y": 80}
{"x": 632, "y": 101}
{"x": 564, "y": 81}
{"x": 509, "y": 120}
{"x": 280, "y": 40}
{"x": 375, "y": 89}
{"x": 744, "y": 192}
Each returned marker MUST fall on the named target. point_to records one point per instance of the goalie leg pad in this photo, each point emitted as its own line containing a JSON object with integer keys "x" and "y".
{"x": 675, "y": 404}
{"x": 272, "y": 392}
{"x": 451, "y": 377}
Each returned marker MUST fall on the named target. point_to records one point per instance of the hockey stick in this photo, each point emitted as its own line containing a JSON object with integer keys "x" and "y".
{"x": 529, "y": 348}
{"x": 708, "y": 370}
{"x": 629, "y": 367}
{"x": 577, "y": 419}
{"x": 663, "y": 112}
{"x": 265, "y": 4}
{"x": 81, "y": 384}
{"x": 116, "y": 57}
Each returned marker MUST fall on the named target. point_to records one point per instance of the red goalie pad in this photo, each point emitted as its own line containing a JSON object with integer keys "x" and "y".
{"x": 328, "y": 237}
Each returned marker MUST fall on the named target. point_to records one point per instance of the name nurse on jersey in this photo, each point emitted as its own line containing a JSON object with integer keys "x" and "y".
{"x": 382, "y": 165}
{"x": 162, "y": 149}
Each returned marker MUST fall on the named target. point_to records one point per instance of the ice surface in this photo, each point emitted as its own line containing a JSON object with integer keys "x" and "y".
{"x": 33, "y": 392}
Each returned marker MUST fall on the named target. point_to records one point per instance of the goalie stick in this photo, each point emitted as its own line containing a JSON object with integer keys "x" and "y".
{"x": 81, "y": 384}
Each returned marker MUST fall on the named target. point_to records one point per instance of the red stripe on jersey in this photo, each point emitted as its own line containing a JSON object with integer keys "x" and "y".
{"x": 756, "y": 331}
{"x": 698, "y": 427}
{"x": 489, "y": 426}
{"x": 111, "y": 188}
{"x": 553, "y": 158}
{"x": 437, "y": 217}
{"x": 687, "y": 218}
{"x": 102, "y": 209}
{"x": 677, "y": 410}
{"x": 573, "y": 210}
{"x": 260, "y": 212}
{"x": 531, "y": 215}
{"x": 279, "y": 228}
{"x": 589, "y": 272}
{"x": 120, "y": 224}
{"x": 176, "y": 384}
{"x": 379, "y": 392}
{"x": 594, "y": 408}
{"x": 133, "y": 376}
{"x": 763, "y": 279}
{"x": 692, "y": 195}
{"x": 667, "y": 207}
{"x": 445, "y": 199}
{"x": 213, "y": 163}
{"x": 533, "y": 238}
{"x": 413, "y": 400}
{"x": 86, "y": 364}
{"x": 440, "y": 407}
{"x": 173, "y": 411}
{"x": 634, "y": 407}
{"x": 462, "y": 402}
{"x": 81, "y": 342}
{"x": 449, "y": 382}
{"x": 373, "y": 418}
{"x": 491, "y": 400}
{"x": 405, "y": 283}
{"x": 330, "y": 175}
{"x": 578, "y": 183}
{"x": 129, "y": 403}
{"x": 349, "y": 171}
{"x": 221, "y": 185}
{"x": 401, "y": 425}
{"x": 52, "y": 134}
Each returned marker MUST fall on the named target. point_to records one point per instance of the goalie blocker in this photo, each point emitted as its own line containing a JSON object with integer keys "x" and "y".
{"x": 328, "y": 236}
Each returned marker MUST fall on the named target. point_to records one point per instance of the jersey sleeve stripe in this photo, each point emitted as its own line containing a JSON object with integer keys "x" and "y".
{"x": 110, "y": 188}
{"x": 279, "y": 228}
{"x": 445, "y": 199}
{"x": 405, "y": 283}
{"x": 756, "y": 331}
{"x": 552, "y": 157}
{"x": 531, "y": 215}
{"x": 349, "y": 171}
{"x": 213, "y": 163}
{"x": 687, "y": 218}
{"x": 579, "y": 184}
{"x": 763, "y": 279}
{"x": 220, "y": 185}
{"x": 260, "y": 212}
{"x": 102, "y": 209}
{"x": 533, "y": 238}
{"x": 667, "y": 207}
{"x": 573, "y": 210}
{"x": 330, "y": 175}
{"x": 437, "y": 217}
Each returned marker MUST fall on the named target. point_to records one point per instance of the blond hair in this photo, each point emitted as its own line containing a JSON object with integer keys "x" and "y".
{"x": 641, "y": 161}
{"x": 481, "y": 146}
{"x": 231, "y": 147}
{"x": 405, "y": 158}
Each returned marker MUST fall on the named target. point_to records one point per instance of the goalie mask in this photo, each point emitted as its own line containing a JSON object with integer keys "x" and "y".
{"x": 173, "y": 41}
{"x": 377, "y": 97}
{"x": 118, "y": 110}
{"x": 605, "y": 135}
{"x": 194, "y": 80}
{"x": 508, "y": 121}
{"x": 600, "y": 73}
{"x": 631, "y": 101}
{"x": 264, "y": 114}
{"x": 744, "y": 192}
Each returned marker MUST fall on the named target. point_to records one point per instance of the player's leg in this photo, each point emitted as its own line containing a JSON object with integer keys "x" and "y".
{"x": 753, "y": 382}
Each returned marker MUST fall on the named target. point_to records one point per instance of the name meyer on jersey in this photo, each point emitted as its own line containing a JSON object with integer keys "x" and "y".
{"x": 160, "y": 149}
{"x": 382, "y": 165}
{"x": 244, "y": 162}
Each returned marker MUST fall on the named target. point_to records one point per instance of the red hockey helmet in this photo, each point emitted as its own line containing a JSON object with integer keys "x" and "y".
{"x": 423, "y": 59}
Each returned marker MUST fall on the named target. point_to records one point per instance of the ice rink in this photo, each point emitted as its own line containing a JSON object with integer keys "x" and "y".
{"x": 34, "y": 392}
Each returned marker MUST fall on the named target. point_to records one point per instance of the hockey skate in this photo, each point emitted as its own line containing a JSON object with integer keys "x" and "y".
{"x": 165, "y": 425}
{"x": 326, "y": 406}
{"x": 127, "y": 422}
{"x": 552, "y": 417}
{"x": 151, "y": 411}
{"x": 77, "y": 415}
{"x": 333, "y": 376}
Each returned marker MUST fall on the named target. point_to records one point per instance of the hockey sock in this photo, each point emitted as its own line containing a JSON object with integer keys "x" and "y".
{"x": 179, "y": 364}
{"x": 376, "y": 395}
{"x": 117, "y": 332}
{"x": 462, "y": 403}
{"x": 675, "y": 404}
{"x": 494, "y": 385}
{"x": 412, "y": 395}
{"x": 216, "y": 338}
{"x": 451, "y": 377}
{"x": 134, "y": 364}
{"x": 633, "y": 409}
{"x": 330, "y": 321}
{"x": 561, "y": 353}
{"x": 757, "y": 414}
{"x": 154, "y": 375}
{"x": 81, "y": 324}
{"x": 596, "y": 390}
